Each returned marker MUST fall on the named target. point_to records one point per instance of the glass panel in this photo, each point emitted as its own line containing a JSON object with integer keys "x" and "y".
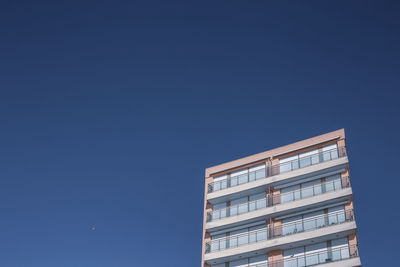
{"x": 304, "y": 162}
{"x": 243, "y": 239}
{"x": 260, "y": 174}
{"x": 259, "y": 233}
{"x": 307, "y": 158}
{"x": 218, "y": 243}
{"x": 333, "y": 183}
{"x": 243, "y": 208}
{"x": 220, "y": 183}
{"x": 315, "y": 159}
{"x": 233, "y": 210}
{"x": 310, "y": 189}
{"x": 252, "y": 176}
{"x": 294, "y": 262}
{"x": 292, "y": 225}
{"x": 257, "y": 172}
{"x": 297, "y": 194}
{"x": 243, "y": 178}
{"x": 258, "y": 201}
{"x": 336, "y": 215}
{"x": 340, "y": 249}
{"x": 286, "y": 164}
{"x": 290, "y": 193}
{"x": 313, "y": 220}
{"x": 294, "y": 164}
{"x": 263, "y": 235}
{"x": 217, "y": 212}
{"x": 234, "y": 181}
{"x": 291, "y": 257}
{"x": 239, "y": 177}
{"x": 233, "y": 241}
{"x": 239, "y": 263}
{"x": 316, "y": 254}
{"x": 239, "y": 206}
{"x": 238, "y": 238}
{"x": 259, "y": 261}
{"x": 261, "y": 203}
{"x": 329, "y": 152}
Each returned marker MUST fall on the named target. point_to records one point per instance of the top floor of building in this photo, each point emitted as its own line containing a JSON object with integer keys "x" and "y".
{"x": 326, "y": 152}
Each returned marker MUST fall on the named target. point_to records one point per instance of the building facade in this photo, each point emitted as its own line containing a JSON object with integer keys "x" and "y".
{"x": 287, "y": 207}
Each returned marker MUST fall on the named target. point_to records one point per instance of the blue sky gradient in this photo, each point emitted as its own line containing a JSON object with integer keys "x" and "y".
{"x": 110, "y": 112}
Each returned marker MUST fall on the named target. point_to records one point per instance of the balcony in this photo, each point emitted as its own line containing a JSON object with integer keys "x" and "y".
{"x": 277, "y": 169}
{"x": 263, "y": 203}
{"x": 344, "y": 256}
{"x": 287, "y": 229}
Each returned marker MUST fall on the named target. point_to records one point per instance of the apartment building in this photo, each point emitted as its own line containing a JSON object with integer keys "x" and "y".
{"x": 287, "y": 207}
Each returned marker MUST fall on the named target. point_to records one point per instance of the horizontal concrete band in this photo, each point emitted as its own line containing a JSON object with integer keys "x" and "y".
{"x": 353, "y": 262}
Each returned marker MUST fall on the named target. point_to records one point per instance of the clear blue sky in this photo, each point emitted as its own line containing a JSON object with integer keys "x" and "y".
{"x": 110, "y": 112}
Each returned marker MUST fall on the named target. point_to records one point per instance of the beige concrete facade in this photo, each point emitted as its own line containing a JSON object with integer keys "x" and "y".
{"x": 274, "y": 210}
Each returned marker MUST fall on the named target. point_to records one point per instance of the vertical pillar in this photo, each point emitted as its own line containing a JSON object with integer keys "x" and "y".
{"x": 341, "y": 143}
{"x": 274, "y": 166}
{"x": 207, "y": 208}
{"x": 275, "y": 258}
{"x": 276, "y": 229}
{"x": 348, "y": 208}
{"x": 268, "y": 168}
{"x": 353, "y": 245}
{"x": 345, "y": 178}
{"x": 276, "y": 196}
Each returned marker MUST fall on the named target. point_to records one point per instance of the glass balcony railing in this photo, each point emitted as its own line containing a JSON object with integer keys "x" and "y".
{"x": 312, "y": 223}
{"x": 277, "y": 169}
{"x": 299, "y": 226}
{"x": 236, "y": 209}
{"x": 320, "y": 257}
{"x": 302, "y": 193}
